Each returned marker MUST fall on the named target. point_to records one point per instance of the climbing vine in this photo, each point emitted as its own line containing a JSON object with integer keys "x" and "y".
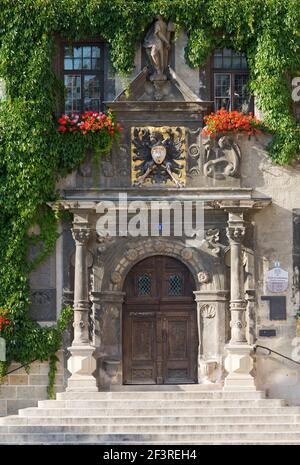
{"x": 33, "y": 156}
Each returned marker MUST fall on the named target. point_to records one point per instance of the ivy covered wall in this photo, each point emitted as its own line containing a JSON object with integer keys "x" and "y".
{"x": 33, "y": 155}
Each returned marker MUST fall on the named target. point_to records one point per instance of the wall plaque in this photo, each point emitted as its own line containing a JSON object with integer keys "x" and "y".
{"x": 277, "y": 279}
{"x": 267, "y": 332}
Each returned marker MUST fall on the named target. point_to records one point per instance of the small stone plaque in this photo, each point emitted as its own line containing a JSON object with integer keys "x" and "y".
{"x": 267, "y": 332}
{"x": 277, "y": 279}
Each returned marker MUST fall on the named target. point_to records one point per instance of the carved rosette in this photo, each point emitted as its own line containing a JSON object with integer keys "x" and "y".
{"x": 204, "y": 277}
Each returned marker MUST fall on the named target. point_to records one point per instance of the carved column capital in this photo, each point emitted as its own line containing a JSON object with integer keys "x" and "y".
{"x": 236, "y": 233}
{"x": 81, "y": 235}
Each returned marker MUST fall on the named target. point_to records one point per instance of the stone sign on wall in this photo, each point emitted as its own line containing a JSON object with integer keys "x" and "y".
{"x": 277, "y": 279}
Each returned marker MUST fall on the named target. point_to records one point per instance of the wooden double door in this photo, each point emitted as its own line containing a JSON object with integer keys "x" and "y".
{"x": 159, "y": 331}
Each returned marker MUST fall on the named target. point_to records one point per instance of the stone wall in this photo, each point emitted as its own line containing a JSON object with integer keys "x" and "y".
{"x": 273, "y": 241}
{"x": 24, "y": 389}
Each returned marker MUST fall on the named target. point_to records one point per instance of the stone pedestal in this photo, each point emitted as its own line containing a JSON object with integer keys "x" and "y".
{"x": 82, "y": 364}
{"x": 239, "y": 364}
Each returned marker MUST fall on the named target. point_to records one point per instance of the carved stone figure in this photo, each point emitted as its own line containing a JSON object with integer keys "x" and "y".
{"x": 157, "y": 45}
{"x": 157, "y": 154}
{"x": 222, "y": 158}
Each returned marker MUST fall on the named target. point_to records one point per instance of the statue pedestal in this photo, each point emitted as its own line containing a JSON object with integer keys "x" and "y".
{"x": 82, "y": 364}
{"x": 239, "y": 364}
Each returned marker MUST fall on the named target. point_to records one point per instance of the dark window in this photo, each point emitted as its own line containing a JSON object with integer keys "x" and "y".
{"x": 144, "y": 284}
{"x": 83, "y": 77}
{"x": 175, "y": 285}
{"x": 230, "y": 81}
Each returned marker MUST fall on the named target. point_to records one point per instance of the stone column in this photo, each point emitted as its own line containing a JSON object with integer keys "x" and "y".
{"x": 238, "y": 362}
{"x": 81, "y": 363}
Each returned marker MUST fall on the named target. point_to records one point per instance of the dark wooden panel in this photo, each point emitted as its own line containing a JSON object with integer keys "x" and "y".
{"x": 159, "y": 323}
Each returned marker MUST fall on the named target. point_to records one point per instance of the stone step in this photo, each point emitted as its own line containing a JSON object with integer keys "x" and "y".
{"x": 160, "y": 403}
{"x": 160, "y": 395}
{"x": 152, "y": 429}
{"x": 149, "y": 420}
{"x": 171, "y": 411}
{"x": 163, "y": 438}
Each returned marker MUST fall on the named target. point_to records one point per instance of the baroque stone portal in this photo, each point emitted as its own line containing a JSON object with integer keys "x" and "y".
{"x": 158, "y": 156}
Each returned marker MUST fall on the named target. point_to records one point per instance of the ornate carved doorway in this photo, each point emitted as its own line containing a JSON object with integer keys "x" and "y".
{"x": 160, "y": 339}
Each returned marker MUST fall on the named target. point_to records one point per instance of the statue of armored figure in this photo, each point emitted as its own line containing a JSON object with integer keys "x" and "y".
{"x": 157, "y": 44}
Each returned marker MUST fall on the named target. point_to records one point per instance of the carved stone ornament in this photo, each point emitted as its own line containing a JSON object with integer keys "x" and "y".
{"x": 158, "y": 156}
{"x": 157, "y": 44}
{"x": 159, "y": 246}
{"x": 236, "y": 233}
{"x": 187, "y": 253}
{"x": 212, "y": 238}
{"x": 131, "y": 254}
{"x": 81, "y": 235}
{"x": 208, "y": 311}
{"x": 104, "y": 242}
{"x": 115, "y": 277}
{"x": 222, "y": 157}
{"x": 204, "y": 277}
{"x": 238, "y": 324}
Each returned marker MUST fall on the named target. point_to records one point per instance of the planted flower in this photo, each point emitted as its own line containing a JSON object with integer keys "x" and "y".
{"x": 96, "y": 130}
{"x": 5, "y": 322}
{"x": 224, "y": 122}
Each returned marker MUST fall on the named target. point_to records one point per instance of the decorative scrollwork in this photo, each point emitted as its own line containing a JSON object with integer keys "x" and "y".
{"x": 212, "y": 238}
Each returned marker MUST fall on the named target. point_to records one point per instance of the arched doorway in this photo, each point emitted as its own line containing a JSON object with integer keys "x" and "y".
{"x": 160, "y": 339}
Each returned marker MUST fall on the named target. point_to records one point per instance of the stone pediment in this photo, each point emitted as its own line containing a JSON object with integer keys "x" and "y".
{"x": 142, "y": 89}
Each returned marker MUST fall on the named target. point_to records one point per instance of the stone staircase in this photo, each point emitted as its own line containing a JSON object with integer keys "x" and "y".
{"x": 186, "y": 414}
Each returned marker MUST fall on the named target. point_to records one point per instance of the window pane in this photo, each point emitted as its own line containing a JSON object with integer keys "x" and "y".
{"x": 175, "y": 285}
{"x": 87, "y": 52}
{"x": 241, "y": 93}
{"x": 77, "y": 52}
{"x": 86, "y": 63}
{"x": 77, "y": 63}
{"x": 68, "y": 52}
{"x": 73, "y": 93}
{"x": 91, "y": 93}
{"x": 95, "y": 63}
{"x": 218, "y": 62}
{"x": 222, "y": 103}
{"x": 236, "y": 62}
{"x": 95, "y": 52}
{"x": 227, "y": 62}
{"x": 222, "y": 85}
{"x": 144, "y": 284}
{"x": 227, "y": 52}
{"x": 68, "y": 63}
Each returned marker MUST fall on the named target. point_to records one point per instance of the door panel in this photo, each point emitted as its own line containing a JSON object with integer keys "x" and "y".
{"x": 159, "y": 324}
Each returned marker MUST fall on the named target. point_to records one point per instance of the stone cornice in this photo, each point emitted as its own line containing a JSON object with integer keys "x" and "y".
{"x": 222, "y": 198}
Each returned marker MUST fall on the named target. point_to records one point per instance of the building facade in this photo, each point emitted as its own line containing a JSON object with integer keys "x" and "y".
{"x": 162, "y": 308}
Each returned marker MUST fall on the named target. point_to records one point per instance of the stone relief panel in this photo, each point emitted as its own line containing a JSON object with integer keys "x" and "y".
{"x": 221, "y": 158}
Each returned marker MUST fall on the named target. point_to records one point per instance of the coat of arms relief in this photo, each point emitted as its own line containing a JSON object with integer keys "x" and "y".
{"x": 158, "y": 156}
